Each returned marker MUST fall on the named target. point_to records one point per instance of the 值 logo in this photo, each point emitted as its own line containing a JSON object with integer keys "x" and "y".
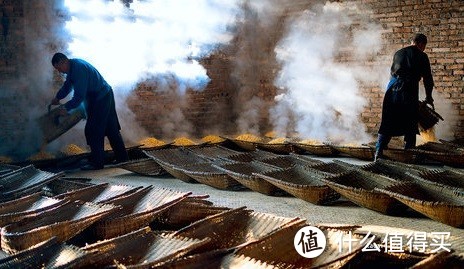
{"x": 309, "y": 242}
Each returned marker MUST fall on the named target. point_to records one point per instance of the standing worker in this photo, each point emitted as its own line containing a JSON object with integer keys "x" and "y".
{"x": 92, "y": 89}
{"x": 400, "y": 109}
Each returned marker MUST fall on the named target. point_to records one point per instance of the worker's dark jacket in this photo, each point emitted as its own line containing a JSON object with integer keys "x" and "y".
{"x": 401, "y": 100}
{"x": 102, "y": 120}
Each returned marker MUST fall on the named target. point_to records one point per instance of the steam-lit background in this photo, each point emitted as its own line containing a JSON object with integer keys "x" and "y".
{"x": 318, "y": 95}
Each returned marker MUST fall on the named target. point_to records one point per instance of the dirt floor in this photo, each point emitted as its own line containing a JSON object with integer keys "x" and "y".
{"x": 341, "y": 212}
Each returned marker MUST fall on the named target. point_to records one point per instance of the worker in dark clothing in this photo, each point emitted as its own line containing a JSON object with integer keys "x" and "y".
{"x": 97, "y": 95}
{"x": 400, "y": 109}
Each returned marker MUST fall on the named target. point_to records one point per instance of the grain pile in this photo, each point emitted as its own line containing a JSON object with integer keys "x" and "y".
{"x": 183, "y": 141}
{"x": 249, "y": 138}
{"x": 280, "y": 140}
{"x": 213, "y": 139}
{"x": 72, "y": 149}
{"x": 42, "y": 155}
{"x": 151, "y": 142}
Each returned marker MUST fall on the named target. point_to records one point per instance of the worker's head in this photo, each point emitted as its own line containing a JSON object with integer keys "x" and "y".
{"x": 60, "y": 62}
{"x": 420, "y": 40}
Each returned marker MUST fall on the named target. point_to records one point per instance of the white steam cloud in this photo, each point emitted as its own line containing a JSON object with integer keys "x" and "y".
{"x": 157, "y": 40}
{"x": 150, "y": 37}
{"x": 323, "y": 90}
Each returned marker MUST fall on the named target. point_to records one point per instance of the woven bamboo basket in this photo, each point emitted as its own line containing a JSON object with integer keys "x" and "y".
{"x": 361, "y": 152}
{"x": 332, "y": 167}
{"x": 25, "y": 181}
{"x": 144, "y": 167}
{"x": 278, "y": 249}
{"x": 411, "y": 156}
{"x": 277, "y": 145}
{"x": 452, "y": 158}
{"x": 385, "y": 259}
{"x": 457, "y": 144}
{"x": 445, "y": 178}
{"x": 7, "y": 168}
{"x": 214, "y": 152}
{"x": 233, "y": 228}
{"x": 255, "y": 155}
{"x": 210, "y": 175}
{"x": 245, "y": 174}
{"x": 67, "y": 256}
{"x": 303, "y": 183}
{"x": 172, "y": 159}
{"x": 438, "y": 203}
{"x": 287, "y": 161}
{"x": 64, "y": 223}
{"x": 395, "y": 170}
{"x": 83, "y": 194}
{"x": 138, "y": 211}
{"x": 53, "y": 125}
{"x": 245, "y": 145}
{"x": 141, "y": 248}
{"x": 441, "y": 260}
{"x": 33, "y": 257}
{"x": 242, "y": 261}
{"x": 361, "y": 188}
{"x": 208, "y": 259}
{"x": 319, "y": 149}
{"x": 27, "y": 207}
{"x": 440, "y": 147}
{"x": 64, "y": 185}
{"x": 187, "y": 212}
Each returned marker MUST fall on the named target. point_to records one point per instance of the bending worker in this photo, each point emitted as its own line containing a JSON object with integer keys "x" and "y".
{"x": 92, "y": 89}
{"x": 400, "y": 109}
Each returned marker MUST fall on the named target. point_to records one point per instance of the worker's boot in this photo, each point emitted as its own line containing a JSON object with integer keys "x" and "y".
{"x": 378, "y": 154}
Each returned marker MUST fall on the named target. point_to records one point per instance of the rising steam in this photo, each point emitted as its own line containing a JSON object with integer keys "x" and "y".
{"x": 322, "y": 90}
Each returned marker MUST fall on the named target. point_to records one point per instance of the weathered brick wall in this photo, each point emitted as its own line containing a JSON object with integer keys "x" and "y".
{"x": 219, "y": 107}
{"x": 442, "y": 21}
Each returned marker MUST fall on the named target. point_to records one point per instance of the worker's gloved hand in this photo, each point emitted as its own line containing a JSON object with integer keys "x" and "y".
{"x": 429, "y": 100}
{"x": 55, "y": 101}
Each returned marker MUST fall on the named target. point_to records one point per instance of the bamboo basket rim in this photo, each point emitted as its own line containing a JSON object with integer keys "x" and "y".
{"x": 447, "y": 212}
{"x": 81, "y": 191}
{"x": 394, "y": 192}
{"x": 270, "y": 175}
{"x": 143, "y": 166}
{"x": 280, "y": 160}
{"x": 361, "y": 176}
{"x": 213, "y": 152}
{"x": 440, "y": 176}
{"x": 21, "y": 235}
{"x": 174, "y": 156}
{"x": 31, "y": 211}
{"x": 233, "y": 169}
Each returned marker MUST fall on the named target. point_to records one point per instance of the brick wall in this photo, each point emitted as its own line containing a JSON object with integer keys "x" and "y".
{"x": 441, "y": 21}
{"x": 219, "y": 108}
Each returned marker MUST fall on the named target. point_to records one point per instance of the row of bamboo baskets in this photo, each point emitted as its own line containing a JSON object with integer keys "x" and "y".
{"x": 72, "y": 223}
{"x": 385, "y": 186}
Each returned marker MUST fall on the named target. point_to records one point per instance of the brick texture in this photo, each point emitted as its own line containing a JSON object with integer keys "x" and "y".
{"x": 219, "y": 108}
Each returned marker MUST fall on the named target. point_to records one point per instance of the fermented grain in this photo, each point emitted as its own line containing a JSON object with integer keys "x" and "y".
{"x": 183, "y": 141}
{"x": 72, "y": 149}
{"x": 280, "y": 140}
{"x": 150, "y": 142}
{"x": 249, "y": 138}
{"x": 42, "y": 155}
{"x": 212, "y": 139}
